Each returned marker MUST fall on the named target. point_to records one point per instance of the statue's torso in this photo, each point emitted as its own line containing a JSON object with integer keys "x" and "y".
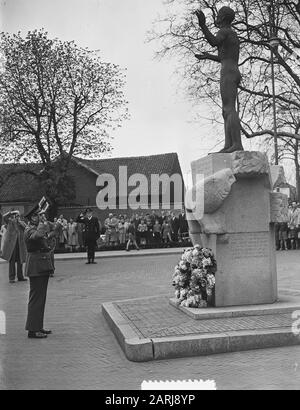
{"x": 228, "y": 50}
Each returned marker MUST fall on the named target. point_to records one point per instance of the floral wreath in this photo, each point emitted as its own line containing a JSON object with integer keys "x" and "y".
{"x": 194, "y": 277}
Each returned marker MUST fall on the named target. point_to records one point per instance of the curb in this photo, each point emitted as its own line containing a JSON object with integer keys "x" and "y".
{"x": 119, "y": 255}
{"x": 131, "y": 254}
{"x": 201, "y": 345}
{"x": 135, "y": 349}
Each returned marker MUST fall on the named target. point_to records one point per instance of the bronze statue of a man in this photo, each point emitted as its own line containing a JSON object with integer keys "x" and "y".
{"x": 228, "y": 55}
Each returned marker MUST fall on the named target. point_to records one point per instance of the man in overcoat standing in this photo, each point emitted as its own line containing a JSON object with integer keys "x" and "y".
{"x": 14, "y": 250}
{"x": 38, "y": 268}
{"x": 91, "y": 233}
{"x": 174, "y": 226}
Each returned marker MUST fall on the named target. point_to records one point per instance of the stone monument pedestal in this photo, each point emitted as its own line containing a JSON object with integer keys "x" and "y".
{"x": 240, "y": 230}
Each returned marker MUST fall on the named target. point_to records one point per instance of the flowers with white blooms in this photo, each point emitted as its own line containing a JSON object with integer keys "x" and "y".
{"x": 194, "y": 277}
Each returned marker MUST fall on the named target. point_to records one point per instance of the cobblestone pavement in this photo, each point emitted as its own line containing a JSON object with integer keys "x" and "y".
{"x": 84, "y": 354}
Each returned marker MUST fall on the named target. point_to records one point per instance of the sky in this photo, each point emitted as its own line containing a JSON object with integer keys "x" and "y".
{"x": 161, "y": 117}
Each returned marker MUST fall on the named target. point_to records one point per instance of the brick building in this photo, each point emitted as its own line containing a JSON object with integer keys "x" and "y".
{"x": 20, "y": 187}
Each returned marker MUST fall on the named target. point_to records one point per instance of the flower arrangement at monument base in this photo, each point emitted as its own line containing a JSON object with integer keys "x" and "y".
{"x": 194, "y": 277}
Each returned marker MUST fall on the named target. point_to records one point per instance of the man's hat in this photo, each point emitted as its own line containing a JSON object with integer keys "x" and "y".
{"x": 88, "y": 210}
{"x": 11, "y": 213}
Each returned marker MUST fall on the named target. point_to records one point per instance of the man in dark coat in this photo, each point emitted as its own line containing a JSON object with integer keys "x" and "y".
{"x": 174, "y": 226}
{"x": 183, "y": 225}
{"x": 91, "y": 233}
{"x": 38, "y": 268}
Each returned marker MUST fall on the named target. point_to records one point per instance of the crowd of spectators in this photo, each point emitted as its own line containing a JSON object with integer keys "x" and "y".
{"x": 287, "y": 232}
{"x": 155, "y": 229}
{"x": 148, "y": 230}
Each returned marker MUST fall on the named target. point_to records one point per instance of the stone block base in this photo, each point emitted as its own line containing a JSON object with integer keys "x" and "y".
{"x": 240, "y": 227}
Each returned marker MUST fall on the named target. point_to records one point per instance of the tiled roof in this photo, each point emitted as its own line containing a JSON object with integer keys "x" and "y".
{"x": 146, "y": 165}
{"x": 18, "y": 184}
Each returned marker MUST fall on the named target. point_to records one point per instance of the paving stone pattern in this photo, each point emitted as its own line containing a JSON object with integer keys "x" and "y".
{"x": 154, "y": 317}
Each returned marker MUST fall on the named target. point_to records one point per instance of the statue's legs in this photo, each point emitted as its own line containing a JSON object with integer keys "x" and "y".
{"x": 228, "y": 139}
{"x": 229, "y": 82}
{"x": 233, "y": 123}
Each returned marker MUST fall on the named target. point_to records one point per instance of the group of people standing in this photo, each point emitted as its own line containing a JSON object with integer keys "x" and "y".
{"x": 288, "y": 232}
{"x": 149, "y": 229}
{"x": 71, "y": 234}
{"x": 141, "y": 230}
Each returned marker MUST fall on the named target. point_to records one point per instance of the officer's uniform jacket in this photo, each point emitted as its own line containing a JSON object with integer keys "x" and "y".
{"x": 92, "y": 228}
{"x": 38, "y": 262}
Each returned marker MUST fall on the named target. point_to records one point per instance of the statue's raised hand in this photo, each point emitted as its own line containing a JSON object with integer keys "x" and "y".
{"x": 202, "y": 56}
{"x": 201, "y": 17}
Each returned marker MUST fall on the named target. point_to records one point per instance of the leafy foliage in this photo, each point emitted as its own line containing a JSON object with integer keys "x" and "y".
{"x": 56, "y": 98}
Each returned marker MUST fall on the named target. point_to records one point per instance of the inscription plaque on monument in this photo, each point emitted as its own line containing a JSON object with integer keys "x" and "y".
{"x": 249, "y": 245}
{"x": 246, "y": 270}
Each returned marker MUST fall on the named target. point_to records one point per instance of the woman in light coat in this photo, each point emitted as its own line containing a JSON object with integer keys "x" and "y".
{"x": 2, "y": 237}
{"x": 72, "y": 235}
{"x": 122, "y": 231}
{"x": 63, "y": 237}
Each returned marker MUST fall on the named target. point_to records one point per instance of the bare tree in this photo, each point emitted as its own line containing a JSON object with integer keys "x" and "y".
{"x": 179, "y": 36}
{"x": 256, "y": 22}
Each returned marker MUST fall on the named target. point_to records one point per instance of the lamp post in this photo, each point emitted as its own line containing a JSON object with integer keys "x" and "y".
{"x": 273, "y": 42}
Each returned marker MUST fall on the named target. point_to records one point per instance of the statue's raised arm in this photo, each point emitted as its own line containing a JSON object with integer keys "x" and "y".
{"x": 214, "y": 41}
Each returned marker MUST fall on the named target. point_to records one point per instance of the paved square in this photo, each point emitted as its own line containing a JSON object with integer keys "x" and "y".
{"x": 84, "y": 354}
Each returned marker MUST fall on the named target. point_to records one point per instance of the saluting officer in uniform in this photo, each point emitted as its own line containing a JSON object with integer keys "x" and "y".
{"x": 38, "y": 268}
{"x": 91, "y": 233}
